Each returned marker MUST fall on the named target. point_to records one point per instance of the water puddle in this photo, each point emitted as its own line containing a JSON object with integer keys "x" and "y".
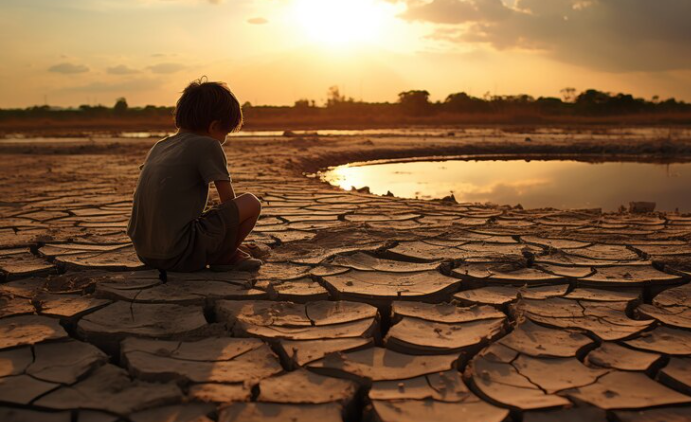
{"x": 533, "y": 184}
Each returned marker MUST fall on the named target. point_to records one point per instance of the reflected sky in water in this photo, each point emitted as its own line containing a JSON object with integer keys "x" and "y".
{"x": 533, "y": 184}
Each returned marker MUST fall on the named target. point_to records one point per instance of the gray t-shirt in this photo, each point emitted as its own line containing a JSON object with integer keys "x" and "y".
{"x": 172, "y": 191}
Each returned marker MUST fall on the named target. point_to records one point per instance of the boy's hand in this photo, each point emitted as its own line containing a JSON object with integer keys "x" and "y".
{"x": 225, "y": 190}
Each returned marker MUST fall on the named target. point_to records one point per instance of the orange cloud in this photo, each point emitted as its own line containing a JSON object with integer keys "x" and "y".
{"x": 68, "y": 68}
{"x": 257, "y": 21}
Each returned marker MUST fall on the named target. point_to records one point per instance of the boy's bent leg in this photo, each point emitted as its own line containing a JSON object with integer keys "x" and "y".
{"x": 249, "y": 206}
{"x": 249, "y": 209}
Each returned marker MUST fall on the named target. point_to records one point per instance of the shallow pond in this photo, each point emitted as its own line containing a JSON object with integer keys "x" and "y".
{"x": 533, "y": 184}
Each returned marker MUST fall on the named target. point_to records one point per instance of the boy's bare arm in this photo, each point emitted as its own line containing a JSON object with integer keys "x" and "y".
{"x": 225, "y": 190}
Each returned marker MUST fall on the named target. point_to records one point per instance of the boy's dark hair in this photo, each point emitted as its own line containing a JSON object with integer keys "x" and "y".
{"x": 203, "y": 102}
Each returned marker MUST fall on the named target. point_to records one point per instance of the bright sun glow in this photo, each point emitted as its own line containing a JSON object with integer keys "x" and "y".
{"x": 343, "y": 22}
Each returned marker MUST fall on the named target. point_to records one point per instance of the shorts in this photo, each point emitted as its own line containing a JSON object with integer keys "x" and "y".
{"x": 213, "y": 235}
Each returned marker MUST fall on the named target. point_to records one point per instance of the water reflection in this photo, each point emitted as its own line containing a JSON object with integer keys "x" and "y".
{"x": 533, "y": 184}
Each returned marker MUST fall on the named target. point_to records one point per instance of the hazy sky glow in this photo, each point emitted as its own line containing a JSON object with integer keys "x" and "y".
{"x": 72, "y": 52}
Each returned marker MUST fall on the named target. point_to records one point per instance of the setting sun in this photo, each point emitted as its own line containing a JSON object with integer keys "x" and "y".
{"x": 343, "y": 22}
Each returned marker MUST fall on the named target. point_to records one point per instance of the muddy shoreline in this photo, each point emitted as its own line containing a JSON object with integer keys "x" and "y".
{"x": 310, "y": 154}
{"x": 69, "y": 128}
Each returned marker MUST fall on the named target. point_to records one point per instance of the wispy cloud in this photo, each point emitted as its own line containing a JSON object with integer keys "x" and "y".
{"x": 121, "y": 70}
{"x": 166, "y": 68}
{"x": 257, "y": 21}
{"x": 68, "y": 68}
{"x": 456, "y": 11}
{"x": 164, "y": 54}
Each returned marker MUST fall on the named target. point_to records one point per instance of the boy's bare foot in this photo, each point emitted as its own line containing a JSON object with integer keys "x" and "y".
{"x": 256, "y": 250}
{"x": 239, "y": 257}
{"x": 240, "y": 261}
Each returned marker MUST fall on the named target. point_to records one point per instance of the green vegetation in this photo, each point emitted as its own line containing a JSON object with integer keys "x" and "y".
{"x": 412, "y": 108}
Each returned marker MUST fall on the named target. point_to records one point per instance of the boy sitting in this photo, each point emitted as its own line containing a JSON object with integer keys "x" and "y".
{"x": 168, "y": 227}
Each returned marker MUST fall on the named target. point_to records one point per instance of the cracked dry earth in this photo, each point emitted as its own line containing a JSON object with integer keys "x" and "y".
{"x": 368, "y": 308}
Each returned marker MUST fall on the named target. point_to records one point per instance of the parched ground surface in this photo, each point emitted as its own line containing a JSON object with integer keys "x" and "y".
{"x": 369, "y": 308}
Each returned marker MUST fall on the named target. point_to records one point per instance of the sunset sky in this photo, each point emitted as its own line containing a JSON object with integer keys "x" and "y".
{"x": 72, "y": 52}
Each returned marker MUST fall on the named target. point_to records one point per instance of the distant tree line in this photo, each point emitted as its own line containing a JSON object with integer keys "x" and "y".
{"x": 411, "y": 107}
{"x": 589, "y": 102}
{"x": 120, "y": 109}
